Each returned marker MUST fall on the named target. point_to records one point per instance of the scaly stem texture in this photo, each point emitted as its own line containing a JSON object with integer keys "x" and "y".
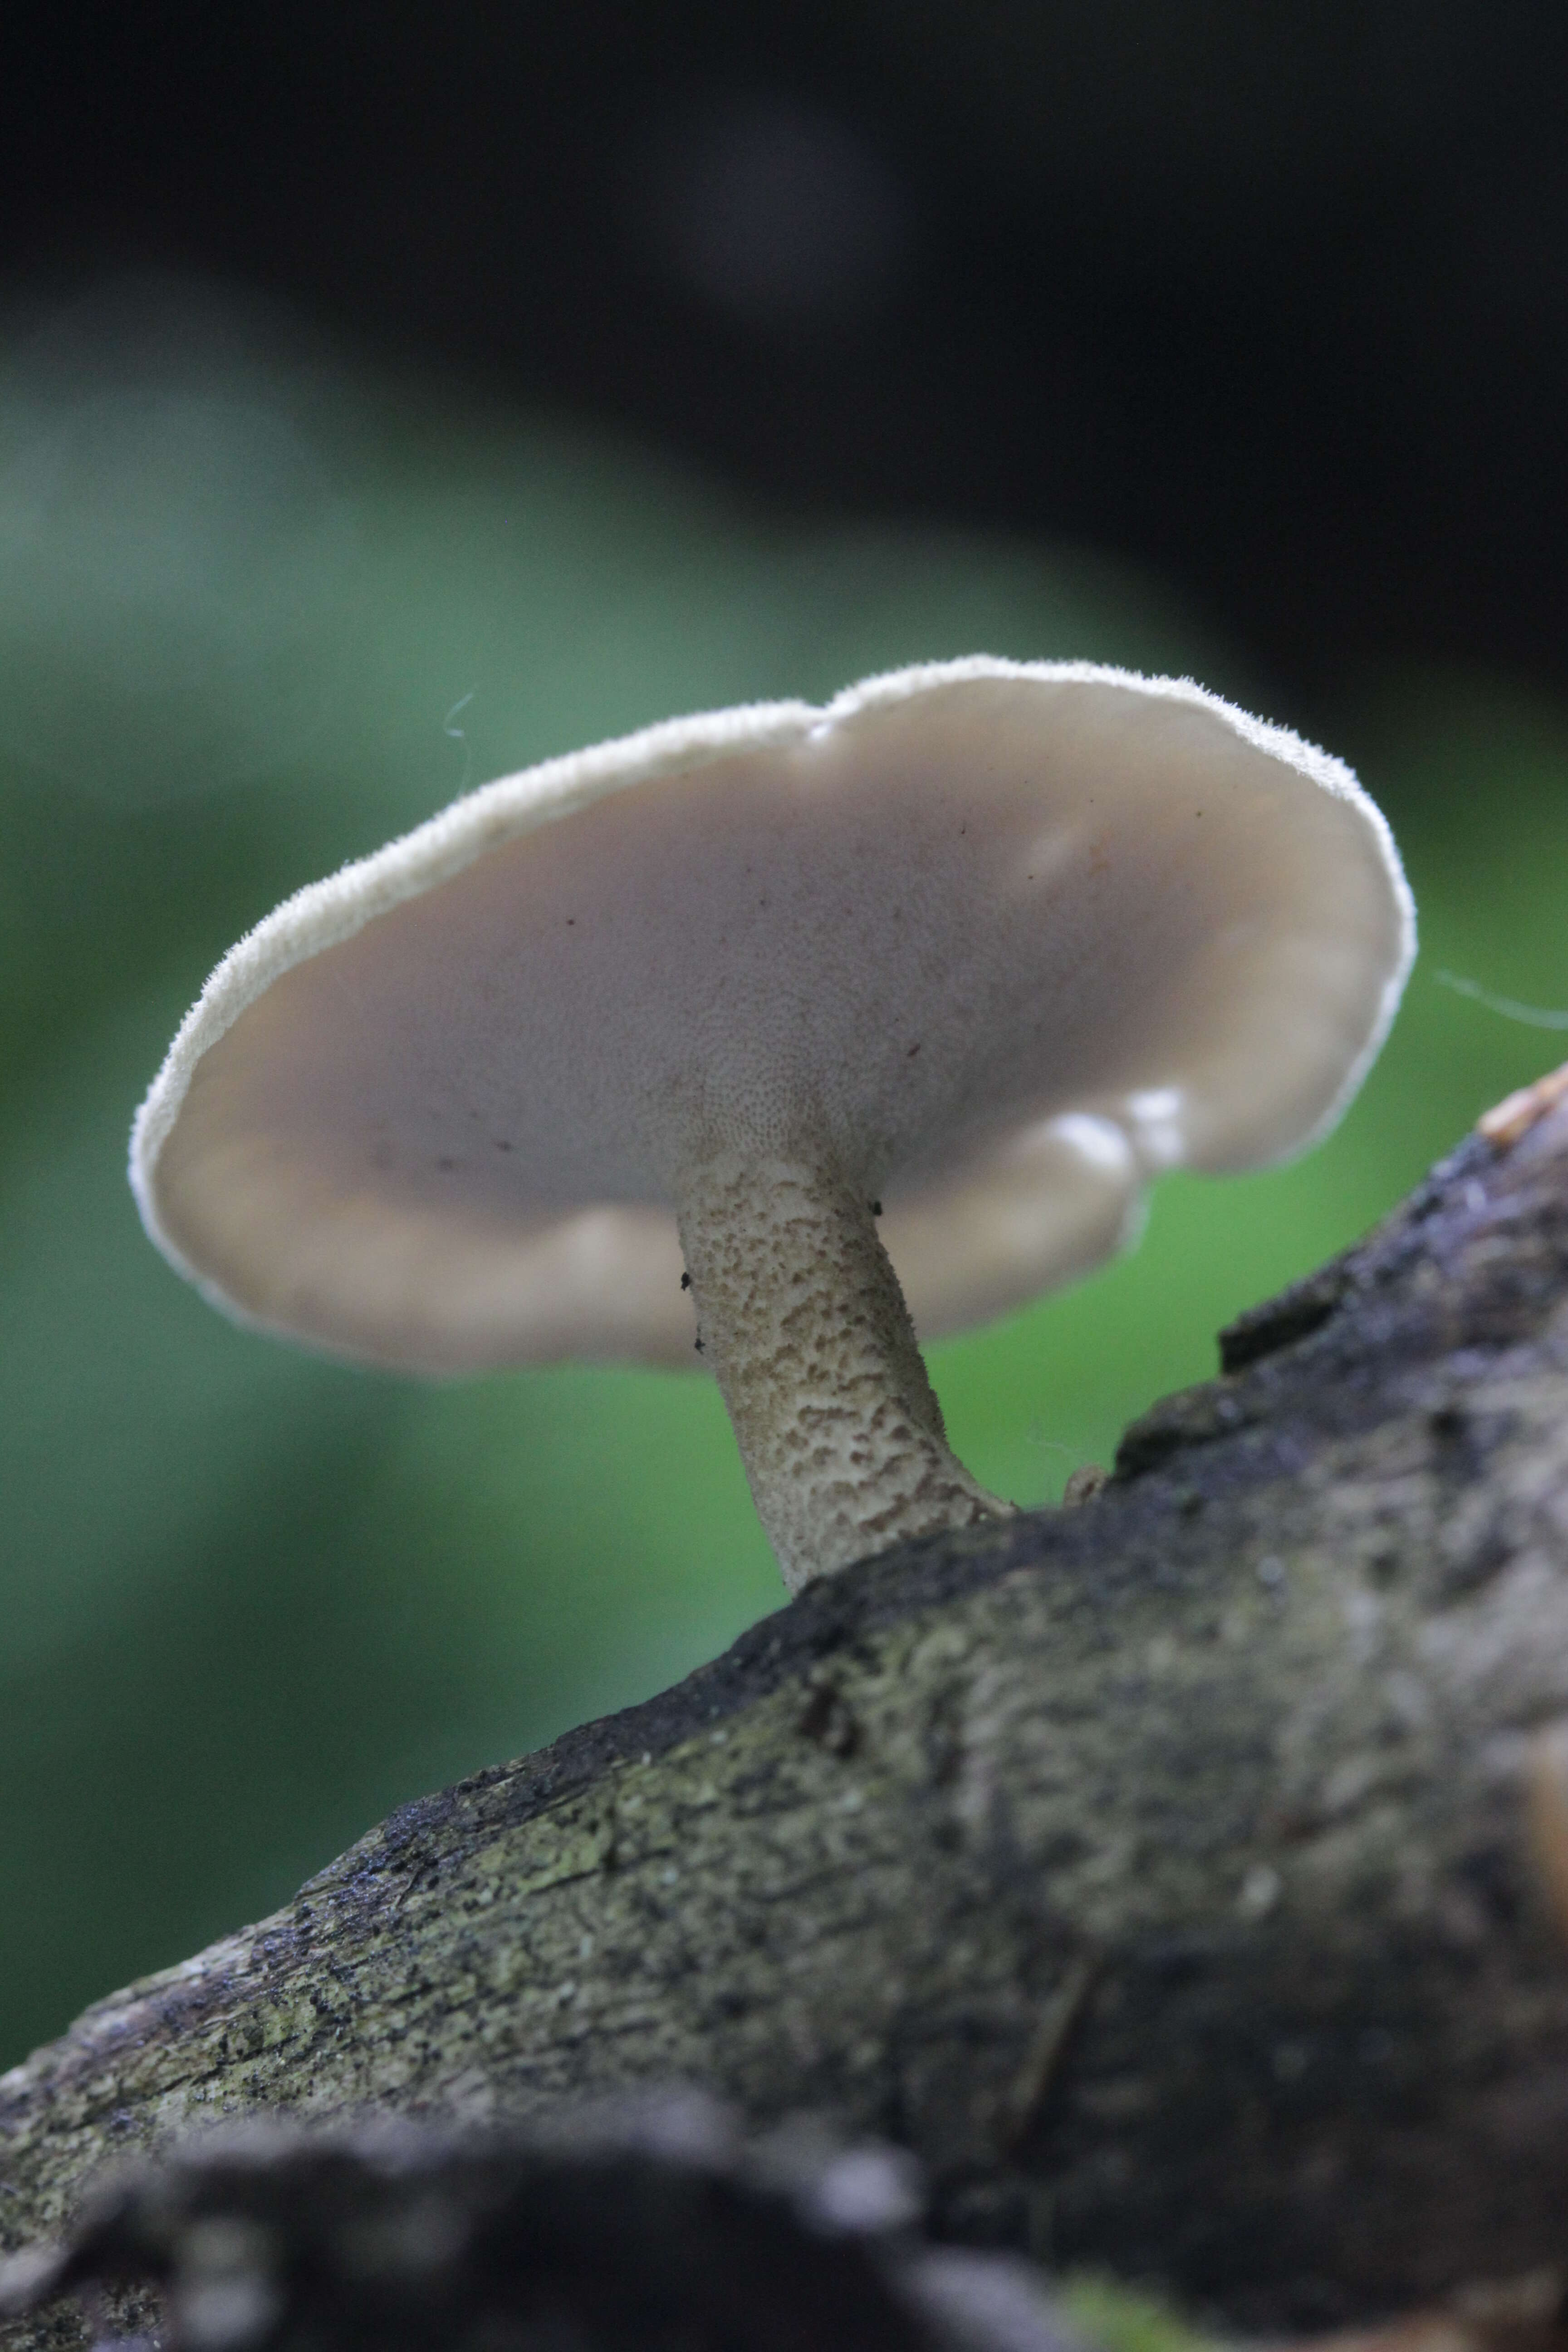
{"x": 801, "y": 1317}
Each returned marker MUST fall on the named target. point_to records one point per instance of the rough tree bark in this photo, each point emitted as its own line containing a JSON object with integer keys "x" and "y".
{"x": 1160, "y": 1872}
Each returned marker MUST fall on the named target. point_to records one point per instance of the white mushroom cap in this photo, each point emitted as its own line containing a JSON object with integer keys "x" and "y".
{"x": 1006, "y": 938}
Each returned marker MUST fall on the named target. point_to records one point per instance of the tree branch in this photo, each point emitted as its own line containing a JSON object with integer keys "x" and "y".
{"x": 1161, "y": 1871}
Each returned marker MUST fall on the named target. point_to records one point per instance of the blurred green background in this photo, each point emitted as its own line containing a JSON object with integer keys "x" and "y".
{"x": 263, "y": 606}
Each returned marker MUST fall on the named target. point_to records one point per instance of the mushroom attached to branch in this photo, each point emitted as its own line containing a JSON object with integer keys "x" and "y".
{"x": 992, "y": 943}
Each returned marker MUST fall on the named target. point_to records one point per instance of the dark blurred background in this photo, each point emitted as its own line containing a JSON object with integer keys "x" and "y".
{"x": 390, "y": 397}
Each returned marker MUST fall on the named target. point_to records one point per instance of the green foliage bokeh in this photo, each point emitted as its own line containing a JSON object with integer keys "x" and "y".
{"x": 258, "y": 611}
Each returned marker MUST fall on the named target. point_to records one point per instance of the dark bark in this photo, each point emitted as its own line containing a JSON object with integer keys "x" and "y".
{"x": 652, "y": 2228}
{"x": 1161, "y": 1871}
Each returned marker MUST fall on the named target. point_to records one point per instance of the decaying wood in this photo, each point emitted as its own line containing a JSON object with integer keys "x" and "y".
{"x": 1174, "y": 1874}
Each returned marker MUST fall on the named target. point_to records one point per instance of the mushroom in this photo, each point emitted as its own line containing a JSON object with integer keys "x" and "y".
{"x": 620, "y": 1058}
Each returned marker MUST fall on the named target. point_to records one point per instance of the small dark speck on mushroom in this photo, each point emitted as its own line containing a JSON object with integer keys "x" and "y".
{"x": 446, "y": 1164}
{"x": 571, "y": 920}
{"x": 685, "y": 1282}
{"x": 501, "y": 1144}
{"x": 914, "y": 1049}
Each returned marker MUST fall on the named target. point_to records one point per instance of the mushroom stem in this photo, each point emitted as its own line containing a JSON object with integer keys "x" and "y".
{"x": 801, "y": 1317}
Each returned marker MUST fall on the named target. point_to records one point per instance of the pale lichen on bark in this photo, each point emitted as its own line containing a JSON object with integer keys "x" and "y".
{"x": 1157, "y": 1871}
